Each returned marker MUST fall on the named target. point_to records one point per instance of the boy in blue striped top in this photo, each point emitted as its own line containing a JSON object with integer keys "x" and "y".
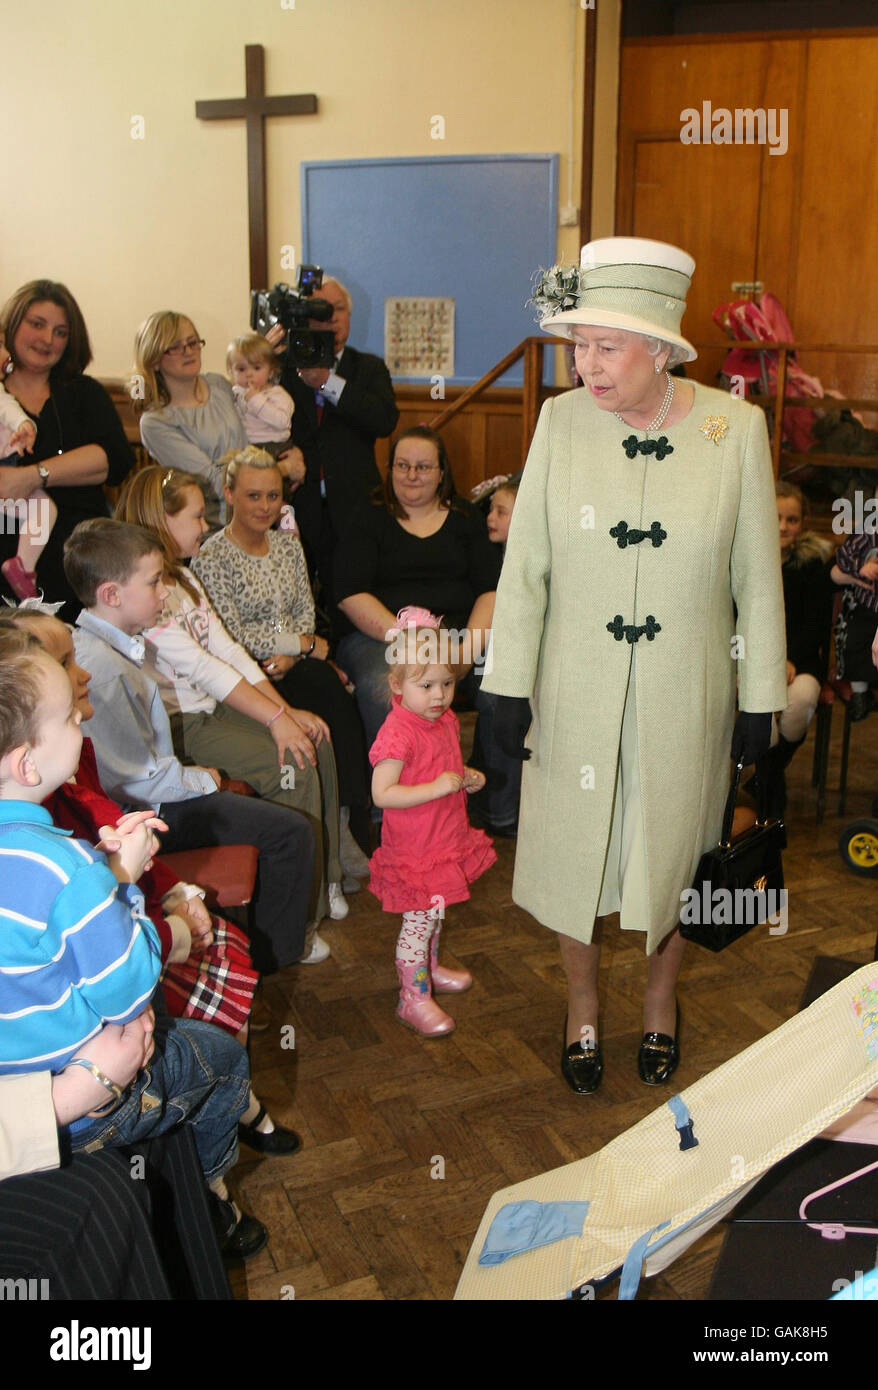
{"x": 77, "y": 951}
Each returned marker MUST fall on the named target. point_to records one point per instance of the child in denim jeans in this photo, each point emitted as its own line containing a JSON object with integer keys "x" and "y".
{"x": 76, "y": 951}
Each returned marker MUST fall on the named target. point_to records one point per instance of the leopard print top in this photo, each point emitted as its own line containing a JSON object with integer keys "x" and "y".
{"x": 265, "y": 601}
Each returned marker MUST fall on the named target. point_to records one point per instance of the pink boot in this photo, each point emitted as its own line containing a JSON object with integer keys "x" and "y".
{"x": 446, "y": 981}
{"x": 22, "y": 582}
{"x": 416, "y": 1009}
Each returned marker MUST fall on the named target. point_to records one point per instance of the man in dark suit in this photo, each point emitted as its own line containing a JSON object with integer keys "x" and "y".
{"x": 340, "y": 412}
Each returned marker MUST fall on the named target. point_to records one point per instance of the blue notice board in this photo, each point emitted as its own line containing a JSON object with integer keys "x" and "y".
{"x": 473, "y": 228}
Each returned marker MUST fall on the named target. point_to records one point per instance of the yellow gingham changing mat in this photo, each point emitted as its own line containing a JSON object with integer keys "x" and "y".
{"x": 746, "y": 1115}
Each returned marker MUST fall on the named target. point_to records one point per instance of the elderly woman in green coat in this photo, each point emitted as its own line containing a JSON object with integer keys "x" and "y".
{"x": 641, "y": 587}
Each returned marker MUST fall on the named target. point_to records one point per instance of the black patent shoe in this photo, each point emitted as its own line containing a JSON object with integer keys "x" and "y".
{"x": 238, "y": 1239}
{"x": 862, "y": 704}
{"x": 277, "y": 1141}
{"x": 658, "y": 1057}
{"x": 581, "y": 1067}
{"x": 247, "y": 1239}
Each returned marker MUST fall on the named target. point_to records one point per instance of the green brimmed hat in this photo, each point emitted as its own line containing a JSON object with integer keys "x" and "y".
{"x": 622, "y": 282}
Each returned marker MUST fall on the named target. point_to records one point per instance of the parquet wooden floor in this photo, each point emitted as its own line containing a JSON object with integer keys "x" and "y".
{"x": 405, "y": 1140}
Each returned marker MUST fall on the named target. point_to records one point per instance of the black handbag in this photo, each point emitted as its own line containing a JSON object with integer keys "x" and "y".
{"x": 740, "y": 883}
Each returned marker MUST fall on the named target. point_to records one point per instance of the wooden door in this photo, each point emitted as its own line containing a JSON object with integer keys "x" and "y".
{"x": 803, "y": 222}
{"x": 835, "y": 294}
{"x": 709, "y": 205}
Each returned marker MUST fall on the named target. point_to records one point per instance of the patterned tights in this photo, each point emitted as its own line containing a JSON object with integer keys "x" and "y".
{"x": 413, "y": 945}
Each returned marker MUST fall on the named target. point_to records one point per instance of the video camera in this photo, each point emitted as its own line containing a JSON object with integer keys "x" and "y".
{"x": 292, "y": 309}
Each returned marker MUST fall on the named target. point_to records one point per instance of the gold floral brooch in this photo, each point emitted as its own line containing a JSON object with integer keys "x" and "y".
{"x": 715, "y": 427}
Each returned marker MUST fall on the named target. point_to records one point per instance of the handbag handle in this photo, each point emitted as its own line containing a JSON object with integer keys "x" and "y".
{"x": 725, "y": 839}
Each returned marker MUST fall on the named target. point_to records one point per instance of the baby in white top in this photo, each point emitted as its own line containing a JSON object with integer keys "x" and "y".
{"x": 36, "y": 512}
{"x": 266, "y": 409}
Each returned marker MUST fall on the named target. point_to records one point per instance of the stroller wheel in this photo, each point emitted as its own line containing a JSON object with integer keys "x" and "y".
{"x": 858, "y": 847}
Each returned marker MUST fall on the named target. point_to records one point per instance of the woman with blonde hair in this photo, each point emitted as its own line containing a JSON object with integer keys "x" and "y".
{"x": 189, "y": 418}
{"x": 224, "y": 710}
{"x": 257, "y": 580}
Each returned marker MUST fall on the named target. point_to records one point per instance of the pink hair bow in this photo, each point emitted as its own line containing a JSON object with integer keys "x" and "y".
{"x": 412, "y": 617}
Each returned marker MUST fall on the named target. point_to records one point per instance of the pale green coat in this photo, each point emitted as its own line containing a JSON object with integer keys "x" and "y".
{"x": 565, "y": 578}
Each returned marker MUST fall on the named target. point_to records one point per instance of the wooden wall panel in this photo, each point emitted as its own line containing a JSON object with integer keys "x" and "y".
{"x": 704, "y": 197}
{"x": 781, "y": 175}
{"x": 836, "y": 299}
{"x": 805, "y": 222}
{"x": 659, "y": 80}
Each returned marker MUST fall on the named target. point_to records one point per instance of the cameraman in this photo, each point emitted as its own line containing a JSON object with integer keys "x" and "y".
{"x": 340, "y": 412}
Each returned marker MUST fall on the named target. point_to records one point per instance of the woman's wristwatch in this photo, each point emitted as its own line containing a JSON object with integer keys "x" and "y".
{"x": 312, "y": 646}
{"x": 44, "y": 474}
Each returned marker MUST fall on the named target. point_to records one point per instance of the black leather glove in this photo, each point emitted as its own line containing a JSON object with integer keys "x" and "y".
{"x": 512, "y": 719}
{"x": 751, "y": 737}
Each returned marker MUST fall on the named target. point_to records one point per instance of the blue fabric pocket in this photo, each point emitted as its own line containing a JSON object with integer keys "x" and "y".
{"x": 522, "y": 1226}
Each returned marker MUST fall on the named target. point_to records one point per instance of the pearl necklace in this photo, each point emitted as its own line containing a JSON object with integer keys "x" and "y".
{"x": 662, "y": 415}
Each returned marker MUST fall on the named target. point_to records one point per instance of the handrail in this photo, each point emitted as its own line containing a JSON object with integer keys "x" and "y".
{"x": 478, "y": 387}
{"x": 531, "y": 349}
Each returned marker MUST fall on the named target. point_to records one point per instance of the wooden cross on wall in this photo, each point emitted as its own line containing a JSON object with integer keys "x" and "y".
{"x": 255, "y": 106}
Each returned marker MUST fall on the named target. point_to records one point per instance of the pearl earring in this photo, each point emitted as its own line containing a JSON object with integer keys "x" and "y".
{"x": 657, "y": 368}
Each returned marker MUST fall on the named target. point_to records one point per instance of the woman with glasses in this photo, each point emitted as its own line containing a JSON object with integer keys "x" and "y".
{"x": 80, "y": 442}
{"x": 189, "y": 418}
{"x": 421, "y": 546}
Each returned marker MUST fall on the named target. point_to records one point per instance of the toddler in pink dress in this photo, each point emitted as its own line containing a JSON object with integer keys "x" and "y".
{"x": 429, "y": 853}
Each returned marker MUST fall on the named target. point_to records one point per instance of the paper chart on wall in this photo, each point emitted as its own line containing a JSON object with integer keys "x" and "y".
{"x": 419, "y": 337}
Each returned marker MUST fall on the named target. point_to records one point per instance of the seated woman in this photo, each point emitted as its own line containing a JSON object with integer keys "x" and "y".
{"x": 224, "y": 710}
{"x": 257, "y": 580}
{"x": 80, "y": 442}
{"x": 189, "y": 418}
{"x": 419, "y": 545}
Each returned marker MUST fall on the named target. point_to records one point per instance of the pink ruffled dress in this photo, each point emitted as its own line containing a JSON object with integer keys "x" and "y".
{"x": 430, "y": 850}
